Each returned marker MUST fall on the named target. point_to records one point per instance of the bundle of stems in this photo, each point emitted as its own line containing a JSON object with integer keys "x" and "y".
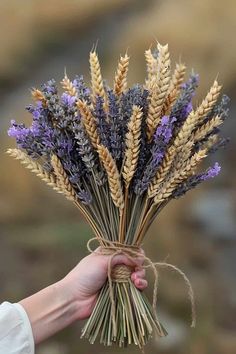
{"x": 120, "y": 155}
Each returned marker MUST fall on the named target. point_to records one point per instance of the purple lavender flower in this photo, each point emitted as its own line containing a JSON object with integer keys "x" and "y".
{"x": 82, "y": 90}
{"x": 161, "y": 139}
{"x": 68, "y": 100}
{"x": 114, "y": 123}
{"x": 195, "y": 180}
{"x": 211, "y": 172}
{"x": 18, "y": 131}
{"x": 183, "y": 105}
{"x": 102, "y": 124}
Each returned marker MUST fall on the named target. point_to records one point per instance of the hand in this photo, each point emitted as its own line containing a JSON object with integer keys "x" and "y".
{"x": 73, "y": 298}
{"x": 87, "y": 278}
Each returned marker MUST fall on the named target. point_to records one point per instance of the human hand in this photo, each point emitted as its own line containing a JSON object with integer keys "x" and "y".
{"x": 73, "y": 298}
{"x": 88, "y": 277}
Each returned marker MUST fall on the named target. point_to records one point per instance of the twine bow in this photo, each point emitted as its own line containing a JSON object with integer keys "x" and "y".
{"x": 114, "y": 248}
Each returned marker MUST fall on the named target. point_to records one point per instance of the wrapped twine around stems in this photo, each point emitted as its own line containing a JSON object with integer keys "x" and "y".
{"x": 121, "y": 273}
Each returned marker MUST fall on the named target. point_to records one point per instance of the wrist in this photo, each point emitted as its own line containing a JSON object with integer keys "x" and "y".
{"x": 50, "y": 310}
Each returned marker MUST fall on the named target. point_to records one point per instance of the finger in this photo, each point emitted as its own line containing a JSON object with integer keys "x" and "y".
{"x": 141, "y": 284}
{"x": 122, "y": 259}
{"x": 138, "y": 274}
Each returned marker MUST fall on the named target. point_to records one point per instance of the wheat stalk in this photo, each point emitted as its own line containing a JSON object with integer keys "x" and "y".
{"x": 96, "y": 78}
{"x": 113, "y": 176}
{"x": 120, "y": 82}
{"x": 178, "y": 176}
{"x": 174, "y": 88}
{"x": 158, "y": 90}
{"x": 132, "y": 145}
{"x": 68, "y": 86}
{"x": 89, "y": 122}
{"x": 206, "y": 128}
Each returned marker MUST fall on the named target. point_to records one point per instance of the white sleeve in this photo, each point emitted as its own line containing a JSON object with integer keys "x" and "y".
{"x": 15, "y": 330}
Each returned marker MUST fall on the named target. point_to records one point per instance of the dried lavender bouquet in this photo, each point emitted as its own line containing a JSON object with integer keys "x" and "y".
{"x": 120, "y": 155}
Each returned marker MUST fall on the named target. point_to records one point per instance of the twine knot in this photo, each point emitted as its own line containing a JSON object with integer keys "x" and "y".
{"x": 121, "y": 273}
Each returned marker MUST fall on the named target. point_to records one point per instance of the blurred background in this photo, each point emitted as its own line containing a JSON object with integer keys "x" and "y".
{"x": 42, "y": 234}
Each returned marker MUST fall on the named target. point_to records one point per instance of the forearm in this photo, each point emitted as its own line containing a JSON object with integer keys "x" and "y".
{"x": 50, "y": 310}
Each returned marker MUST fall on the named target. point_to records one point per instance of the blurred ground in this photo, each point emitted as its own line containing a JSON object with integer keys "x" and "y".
{"x": 38, "y": 39}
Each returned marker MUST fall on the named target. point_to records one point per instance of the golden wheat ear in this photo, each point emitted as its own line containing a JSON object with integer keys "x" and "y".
{"x": 158, "y": 90}
{"x": 151, "y": 64}
{"x": 174, "y": 88}
{"x": 89, "y": 122}
{"x": 113, "y": 176}
{"x": 63, "y": 180}
{"x": 68, "y": 86}
{"x": 120, "y": 82}
{"x": 96, "y": 78}
{"x": 209, "y": 101}
{"x": 132, "y": 145}
{"x": 38, "y": 95}
{"x": 179, "y": 176}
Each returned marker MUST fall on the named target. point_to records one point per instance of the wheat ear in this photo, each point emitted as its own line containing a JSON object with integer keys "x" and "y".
{"x": 132, "y": 145}
{"x": 113, "y": 176}
{"x": 96, "y": 78}
{"x": 174, "y": 88}
{"x": 63, "y": 180}
{"x": 120, "y": 82}
{"x": 158, "y": 90}
{"x": 151, "y": 64}
{"x": 35, "y": 167}
{"x": 206, "y": 128}
{"x": 212, "y": 140}
{"x": 68, "y": 86}
{"x": 179, "y": 142}
{"x": 166, "y": 165}
{"x": 39, "y": 96}
{"x": 209, "y": 101}
{"x": 89, "y": 122}
{"x": 178, "y": 176}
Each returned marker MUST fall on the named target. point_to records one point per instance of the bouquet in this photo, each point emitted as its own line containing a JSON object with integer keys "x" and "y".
{"x": 120, "y": 155}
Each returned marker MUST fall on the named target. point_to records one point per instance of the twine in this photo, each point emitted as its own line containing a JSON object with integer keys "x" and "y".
{"x": 121, "y": 273}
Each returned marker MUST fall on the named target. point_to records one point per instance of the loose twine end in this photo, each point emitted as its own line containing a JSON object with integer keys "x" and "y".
{"x": 122, "y": 274}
